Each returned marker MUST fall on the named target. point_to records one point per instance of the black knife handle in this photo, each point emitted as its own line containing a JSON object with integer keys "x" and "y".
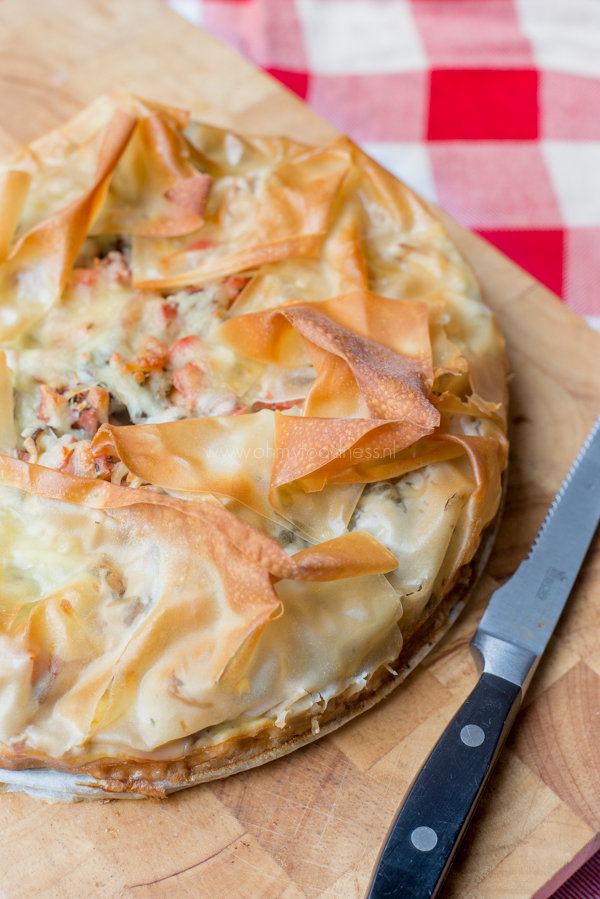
{"x": 427, "y": 830}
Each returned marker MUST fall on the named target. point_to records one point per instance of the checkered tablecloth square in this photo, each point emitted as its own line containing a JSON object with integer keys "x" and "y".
{"x": 490, "y": 108}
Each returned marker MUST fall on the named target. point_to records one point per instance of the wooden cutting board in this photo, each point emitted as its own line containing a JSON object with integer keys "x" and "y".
{"x": 310, "y": 825}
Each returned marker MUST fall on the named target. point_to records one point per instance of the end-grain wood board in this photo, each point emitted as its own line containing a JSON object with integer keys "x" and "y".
{"x": 310, "y": 825}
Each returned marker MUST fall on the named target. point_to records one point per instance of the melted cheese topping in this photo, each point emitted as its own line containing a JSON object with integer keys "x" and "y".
{"x": 104, "y": 333}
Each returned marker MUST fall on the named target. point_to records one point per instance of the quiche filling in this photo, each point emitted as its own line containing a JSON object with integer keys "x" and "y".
{"x": 109, "y": 353}
{"x": 252, "y": 427}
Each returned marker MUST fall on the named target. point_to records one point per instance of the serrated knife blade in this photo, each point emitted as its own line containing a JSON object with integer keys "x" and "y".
{"x": 526, "y": 609}
{"x": 512, "y": 635}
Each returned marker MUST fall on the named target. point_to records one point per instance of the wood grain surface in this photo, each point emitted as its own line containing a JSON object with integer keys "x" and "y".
{"x": 310, "y": 825}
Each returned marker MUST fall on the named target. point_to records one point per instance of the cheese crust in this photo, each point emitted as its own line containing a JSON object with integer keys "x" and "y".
{"x": 252, "y": 430}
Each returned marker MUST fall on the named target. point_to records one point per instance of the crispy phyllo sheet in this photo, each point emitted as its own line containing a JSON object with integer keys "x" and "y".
{"x": 146, "y": 590}
{"x": 278, "y": 210}
{"x": 155, "y": 190}
{"x": 35, "y": 270}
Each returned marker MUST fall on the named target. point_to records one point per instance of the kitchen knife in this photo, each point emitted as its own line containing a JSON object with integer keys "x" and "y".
{"x": 507, "y": 646}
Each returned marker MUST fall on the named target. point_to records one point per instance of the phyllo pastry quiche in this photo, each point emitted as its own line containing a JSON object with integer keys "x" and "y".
{"x": 252, "y": 430}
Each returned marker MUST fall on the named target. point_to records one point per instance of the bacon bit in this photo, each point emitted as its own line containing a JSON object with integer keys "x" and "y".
{"x": 99, "y": 398}
{"x": 80, "y": 461}
{"x": 23, "y": 456}
{"x": 151, "y": 356}
{"x": 87, "y": 406}
{"x": 85, "y": 277}
{"x": 104, "y": 466}
{"x": 87, "y": 421}
{"x": 186, "y": 349}
{"x": 289, "y": 404}
{"x": 202, "y": 245}
{"x": 190, "y": 359}
{"x": 230, "y": 289}
{"x": 169, "y": 312}
{"x": 189, "y": 381}
{"x": 91, "y": 410}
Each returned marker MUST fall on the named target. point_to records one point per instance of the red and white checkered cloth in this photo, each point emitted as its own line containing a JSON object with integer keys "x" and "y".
{"x": 490, "y": 108}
